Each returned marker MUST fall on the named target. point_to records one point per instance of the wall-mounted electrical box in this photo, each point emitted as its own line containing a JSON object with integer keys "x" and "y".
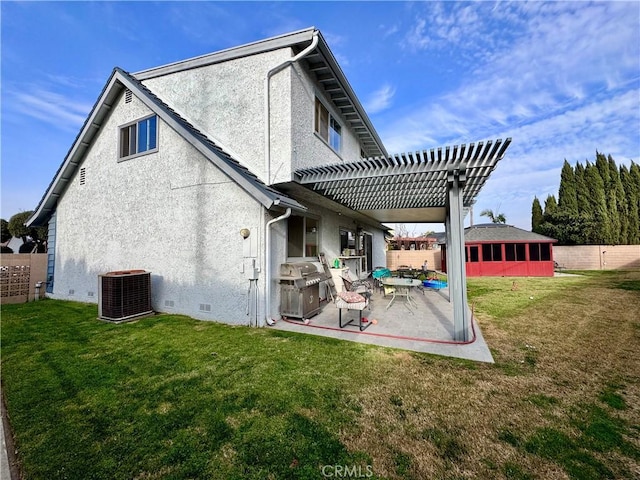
{"x": 253, "y": 271}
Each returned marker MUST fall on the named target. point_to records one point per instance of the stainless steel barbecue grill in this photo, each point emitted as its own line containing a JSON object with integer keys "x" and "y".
{"x": 300, "y": 289}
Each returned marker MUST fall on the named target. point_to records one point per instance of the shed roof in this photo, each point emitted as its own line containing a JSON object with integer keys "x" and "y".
{"x": 497, "y": 232}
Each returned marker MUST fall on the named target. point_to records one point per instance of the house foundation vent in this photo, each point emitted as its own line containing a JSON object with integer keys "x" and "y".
{"x": 124, "y": 295}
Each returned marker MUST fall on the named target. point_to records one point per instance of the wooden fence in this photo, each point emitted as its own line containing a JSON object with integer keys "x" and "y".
{"x": 19, "y": 275}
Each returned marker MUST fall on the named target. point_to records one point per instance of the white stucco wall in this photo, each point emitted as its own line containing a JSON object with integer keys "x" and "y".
{"x": 226, "y": 102}
{"x": 172, "y": 213}
{"x": 309, "y": 149}
{"x": 176, "y": 215}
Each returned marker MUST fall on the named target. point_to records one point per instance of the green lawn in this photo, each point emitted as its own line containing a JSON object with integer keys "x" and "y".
{"x": 172, "y": 397}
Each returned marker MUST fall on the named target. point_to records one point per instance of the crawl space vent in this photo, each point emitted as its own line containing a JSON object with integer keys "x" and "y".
{"x": 124, "y": 295}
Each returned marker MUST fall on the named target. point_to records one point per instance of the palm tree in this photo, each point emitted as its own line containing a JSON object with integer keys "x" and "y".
{"x": 495, "y": 218}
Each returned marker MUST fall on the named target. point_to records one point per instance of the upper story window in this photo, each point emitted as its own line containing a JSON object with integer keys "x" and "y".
{"x": 328, "y": 127}
{"x": 139, "y": 137}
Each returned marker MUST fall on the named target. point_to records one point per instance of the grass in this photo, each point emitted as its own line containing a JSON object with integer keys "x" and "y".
{"x": 171, "y": 397}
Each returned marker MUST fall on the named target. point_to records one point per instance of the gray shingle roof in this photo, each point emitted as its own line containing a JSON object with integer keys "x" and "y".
{"x": 497, "y": 232}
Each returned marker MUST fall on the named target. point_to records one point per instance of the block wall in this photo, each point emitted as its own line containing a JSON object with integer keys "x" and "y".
{"x": 19, "y": 274}
{"x": 597, "y": 257}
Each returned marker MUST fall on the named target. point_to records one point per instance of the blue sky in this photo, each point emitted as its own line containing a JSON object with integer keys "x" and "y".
{"x": 561, "y": 78}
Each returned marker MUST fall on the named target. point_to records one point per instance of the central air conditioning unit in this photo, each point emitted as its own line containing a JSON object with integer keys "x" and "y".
{"x": 124, "y": 295}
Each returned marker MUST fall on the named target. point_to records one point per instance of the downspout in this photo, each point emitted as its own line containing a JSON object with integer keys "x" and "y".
{"x": 267, "y": 106}
{"x": 267, "y": 266}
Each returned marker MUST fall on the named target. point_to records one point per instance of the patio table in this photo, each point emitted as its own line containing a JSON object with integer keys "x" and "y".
{"x": 403, "y": 287}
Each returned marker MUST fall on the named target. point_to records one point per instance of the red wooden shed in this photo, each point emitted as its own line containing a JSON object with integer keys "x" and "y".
{"x": 498, "y": 250}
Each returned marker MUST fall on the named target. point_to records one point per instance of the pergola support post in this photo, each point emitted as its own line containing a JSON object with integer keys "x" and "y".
{"x": 456, "y": 272}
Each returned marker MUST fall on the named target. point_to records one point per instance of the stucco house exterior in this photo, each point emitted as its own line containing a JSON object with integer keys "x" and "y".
{"x": 226, "y": 154}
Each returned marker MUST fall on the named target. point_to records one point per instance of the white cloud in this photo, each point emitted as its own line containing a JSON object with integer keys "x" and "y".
{"x": 561, "y": 78}
{"x": 380, "y": 99}
{"x": 52, "y": 108}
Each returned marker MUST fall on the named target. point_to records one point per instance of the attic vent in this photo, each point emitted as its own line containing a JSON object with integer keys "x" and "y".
{"x": 124, "y": 295}
{"x": 83, "y": 176}
{"x": 127, "y": 96}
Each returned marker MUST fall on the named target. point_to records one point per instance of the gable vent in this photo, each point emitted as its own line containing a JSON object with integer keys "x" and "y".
{"x": 124, "y": 295}
{"x": 83, "y": 176}
{"x": 127, "y": 96}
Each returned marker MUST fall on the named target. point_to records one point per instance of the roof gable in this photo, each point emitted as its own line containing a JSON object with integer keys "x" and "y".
{"x": 322, "y": 66}
{"x": 119, "y": 81}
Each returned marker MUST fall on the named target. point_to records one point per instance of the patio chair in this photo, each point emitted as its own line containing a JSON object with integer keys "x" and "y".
{"x": 378, "y": 275}
{"x": 352, "y": 301}
{"x": 358, "y": 286}
{"x": 389, "y": 290}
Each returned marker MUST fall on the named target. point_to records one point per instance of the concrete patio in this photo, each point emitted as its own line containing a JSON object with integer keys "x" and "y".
{"x": 426, "y": 327}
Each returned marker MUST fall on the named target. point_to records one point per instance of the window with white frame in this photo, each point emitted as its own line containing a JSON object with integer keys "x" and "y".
{"x": 302, "y": 237}
{"x": 328, "y": 127}
{"x": 139, "y": 137}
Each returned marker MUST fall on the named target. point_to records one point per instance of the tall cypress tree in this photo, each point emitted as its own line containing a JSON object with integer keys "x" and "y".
{"x": 567, "y": 197}
{"x": 634, "y": 218}
{"x": 550, "y": 207}
{"x": 582, "y": 191}
{"x": 598, "y": 205}
{"x": 603, "y": 168}
{"x": 617, "y": 205}
{"x": 631, "y": 195}
{"x": 536, "y": 215}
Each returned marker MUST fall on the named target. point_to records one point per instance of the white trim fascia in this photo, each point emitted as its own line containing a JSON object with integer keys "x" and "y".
{"x": 261, "y": 46}
{"x": 81, "y": 144}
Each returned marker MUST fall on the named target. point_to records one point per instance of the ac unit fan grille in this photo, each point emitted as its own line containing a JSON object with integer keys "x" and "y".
{"x": 125, "y": 296}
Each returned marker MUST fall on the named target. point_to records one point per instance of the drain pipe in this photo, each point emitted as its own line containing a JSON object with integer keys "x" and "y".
{"x": 267, "y": 106}
{"x": 267, "y": 266}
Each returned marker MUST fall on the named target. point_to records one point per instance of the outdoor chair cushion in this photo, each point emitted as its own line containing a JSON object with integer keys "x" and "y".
{"x": 351, "y": 297}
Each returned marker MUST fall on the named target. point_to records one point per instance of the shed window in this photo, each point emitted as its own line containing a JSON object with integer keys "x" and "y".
{"x": 139, "y": 137}
{"x": 473, "y": 254}
{"x": 328, "y": 127}
{"x": 302, "y": 237}
{"x": 492, "y": 252}
{"x": 539, "y": 252}
{"x": 515, "y": 252}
